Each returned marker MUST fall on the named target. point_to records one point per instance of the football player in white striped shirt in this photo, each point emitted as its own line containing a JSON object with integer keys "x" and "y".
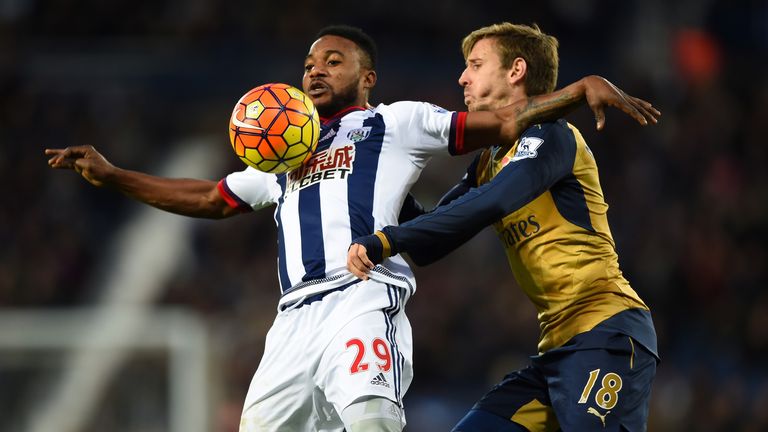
{"x": 338, "y": 356}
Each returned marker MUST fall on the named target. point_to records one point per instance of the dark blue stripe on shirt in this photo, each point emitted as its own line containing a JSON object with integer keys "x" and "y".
{"x": 285, "y": 281}
{"x": 360, "y": 186}
{"x": 310, "y": 217}
{"x": 312, "y": 244}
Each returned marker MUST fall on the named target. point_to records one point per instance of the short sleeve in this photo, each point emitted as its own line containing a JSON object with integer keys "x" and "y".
{"x": 250, "y": 189}
{"x": 427, "y": 129}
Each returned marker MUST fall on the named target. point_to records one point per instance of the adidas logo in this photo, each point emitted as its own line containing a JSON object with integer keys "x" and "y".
{"x": 380, "y": 380}
{"x": 329, "y": 135}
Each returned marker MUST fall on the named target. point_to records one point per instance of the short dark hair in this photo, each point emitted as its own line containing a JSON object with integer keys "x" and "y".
{"x": 356, "y": 35}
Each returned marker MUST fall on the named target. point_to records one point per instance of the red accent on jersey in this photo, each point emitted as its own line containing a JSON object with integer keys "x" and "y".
{"x": 458, "y": 144}
{"x": 230, "y": 198}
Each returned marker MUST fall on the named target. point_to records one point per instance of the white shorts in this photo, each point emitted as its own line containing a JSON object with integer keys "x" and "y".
{"x": 321, "y": 357}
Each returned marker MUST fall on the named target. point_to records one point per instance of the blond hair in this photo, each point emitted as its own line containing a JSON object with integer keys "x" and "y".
{"x": 539, "y": 50}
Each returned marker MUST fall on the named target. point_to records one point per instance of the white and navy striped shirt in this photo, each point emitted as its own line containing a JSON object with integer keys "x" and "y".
{"x": 365, "y": 163}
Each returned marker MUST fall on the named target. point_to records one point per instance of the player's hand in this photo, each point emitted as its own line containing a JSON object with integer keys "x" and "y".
{"x": 363, "y": 255}
{"x": 358, "y": 262}
{"x": 84, "y": 160}
{"x": 601, "y": 92}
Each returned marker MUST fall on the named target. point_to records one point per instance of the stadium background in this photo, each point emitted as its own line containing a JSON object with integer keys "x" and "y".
{"x": 143, "y": 80}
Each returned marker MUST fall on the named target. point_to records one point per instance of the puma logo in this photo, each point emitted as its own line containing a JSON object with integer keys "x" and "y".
{"x": 591, "y": 410}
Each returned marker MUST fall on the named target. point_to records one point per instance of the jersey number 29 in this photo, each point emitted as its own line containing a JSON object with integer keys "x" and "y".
{"x": 380, "y": 349}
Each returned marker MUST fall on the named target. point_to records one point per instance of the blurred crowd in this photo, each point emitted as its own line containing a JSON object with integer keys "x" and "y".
{"x": 689, "y": 197}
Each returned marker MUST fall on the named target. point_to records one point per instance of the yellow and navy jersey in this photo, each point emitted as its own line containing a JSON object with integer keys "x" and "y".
{"x": 543, "y": 196}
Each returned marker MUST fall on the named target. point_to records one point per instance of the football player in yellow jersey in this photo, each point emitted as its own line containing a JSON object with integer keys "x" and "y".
{"x": 597, "y": 351}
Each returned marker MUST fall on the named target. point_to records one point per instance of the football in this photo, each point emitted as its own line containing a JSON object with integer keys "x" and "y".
{"x": 274, "y": 128}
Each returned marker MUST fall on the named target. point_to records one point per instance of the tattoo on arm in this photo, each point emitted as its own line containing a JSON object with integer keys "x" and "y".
{"x": 548, "y": 107}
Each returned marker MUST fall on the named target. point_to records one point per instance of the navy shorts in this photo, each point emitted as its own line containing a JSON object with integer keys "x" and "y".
{"x": 572, "y": 389}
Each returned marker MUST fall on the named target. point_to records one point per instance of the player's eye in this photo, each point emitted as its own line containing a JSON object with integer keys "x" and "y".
{"x": 308, "y": 67}
{"x": 334, "y": 62}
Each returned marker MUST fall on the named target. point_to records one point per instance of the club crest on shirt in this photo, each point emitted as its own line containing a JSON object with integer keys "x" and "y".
{"x": 359, "y": 134}
{"x": 328, "y": 164}
{"x": 527, "y": 148}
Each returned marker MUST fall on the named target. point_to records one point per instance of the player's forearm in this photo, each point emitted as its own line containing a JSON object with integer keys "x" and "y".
{"x": 551, "y": 106}
{"x": 541, "y": 108}
{"x": 188, "y": 197}
{"x": 464, "y": 218}
{"x": 423, "y": 246}
{"x": 426, "y": 238}
{"x": 434, "y": 235}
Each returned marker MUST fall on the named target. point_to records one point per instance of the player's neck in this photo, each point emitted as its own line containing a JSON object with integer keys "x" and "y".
{"x": 518, "y": 94}
{"x": 501, "y": 103}
{"x": 342, "y": 112}
{"x": 511, "y": 99}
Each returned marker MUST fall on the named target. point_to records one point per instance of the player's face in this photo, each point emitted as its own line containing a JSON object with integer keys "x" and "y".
{"x": 333, "y": 75}
{"x": 485, "y": 82}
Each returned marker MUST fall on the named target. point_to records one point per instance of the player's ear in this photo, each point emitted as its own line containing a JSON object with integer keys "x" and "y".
{"x": 369, "y": 79}
{"x": 516, "y": 73}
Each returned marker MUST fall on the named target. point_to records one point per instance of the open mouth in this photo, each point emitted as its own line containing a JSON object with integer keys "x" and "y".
{"x": 317, "y": 88}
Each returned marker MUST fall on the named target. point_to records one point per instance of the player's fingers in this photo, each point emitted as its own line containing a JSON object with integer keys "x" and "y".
{"x": 354, "y": 264}
{"x": 81, "y": 149}
{"x": 81, "y": 164}
{"x": 357, "y": 272}
{"x": 645, "y": 108}
{"x": 648, "y": 115}
{"x": 362, "y": 253}
{"x": 644, "y": 103}
{"x": 650, "y": 111}
{"x": 599, "y": 117}
{"x": 64, "y": 154}
{"x": 352, "y": 252}
{"x": 630, "y": 109}
{"x": 69, "y": 157}
{"x": 76, "y": 152}
{"x": 59, "y": 161}
{"x": 53, "y": 153}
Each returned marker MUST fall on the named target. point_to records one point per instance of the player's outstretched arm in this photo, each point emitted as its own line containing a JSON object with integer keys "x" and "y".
{"x": 189, "y": 197}
{"x": 506, "y": 124}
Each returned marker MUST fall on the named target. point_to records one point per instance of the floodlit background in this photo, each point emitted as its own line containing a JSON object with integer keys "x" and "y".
{"x": 115, "y": 316}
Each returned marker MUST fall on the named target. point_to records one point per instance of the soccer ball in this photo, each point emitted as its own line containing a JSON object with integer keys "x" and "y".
{"x": 274, "y": 128}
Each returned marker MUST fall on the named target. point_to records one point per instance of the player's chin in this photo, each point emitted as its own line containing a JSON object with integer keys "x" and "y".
{"x": 326, "y": 106}
{"x": 473, "y": 106}
{"x": 320, "y": 97}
